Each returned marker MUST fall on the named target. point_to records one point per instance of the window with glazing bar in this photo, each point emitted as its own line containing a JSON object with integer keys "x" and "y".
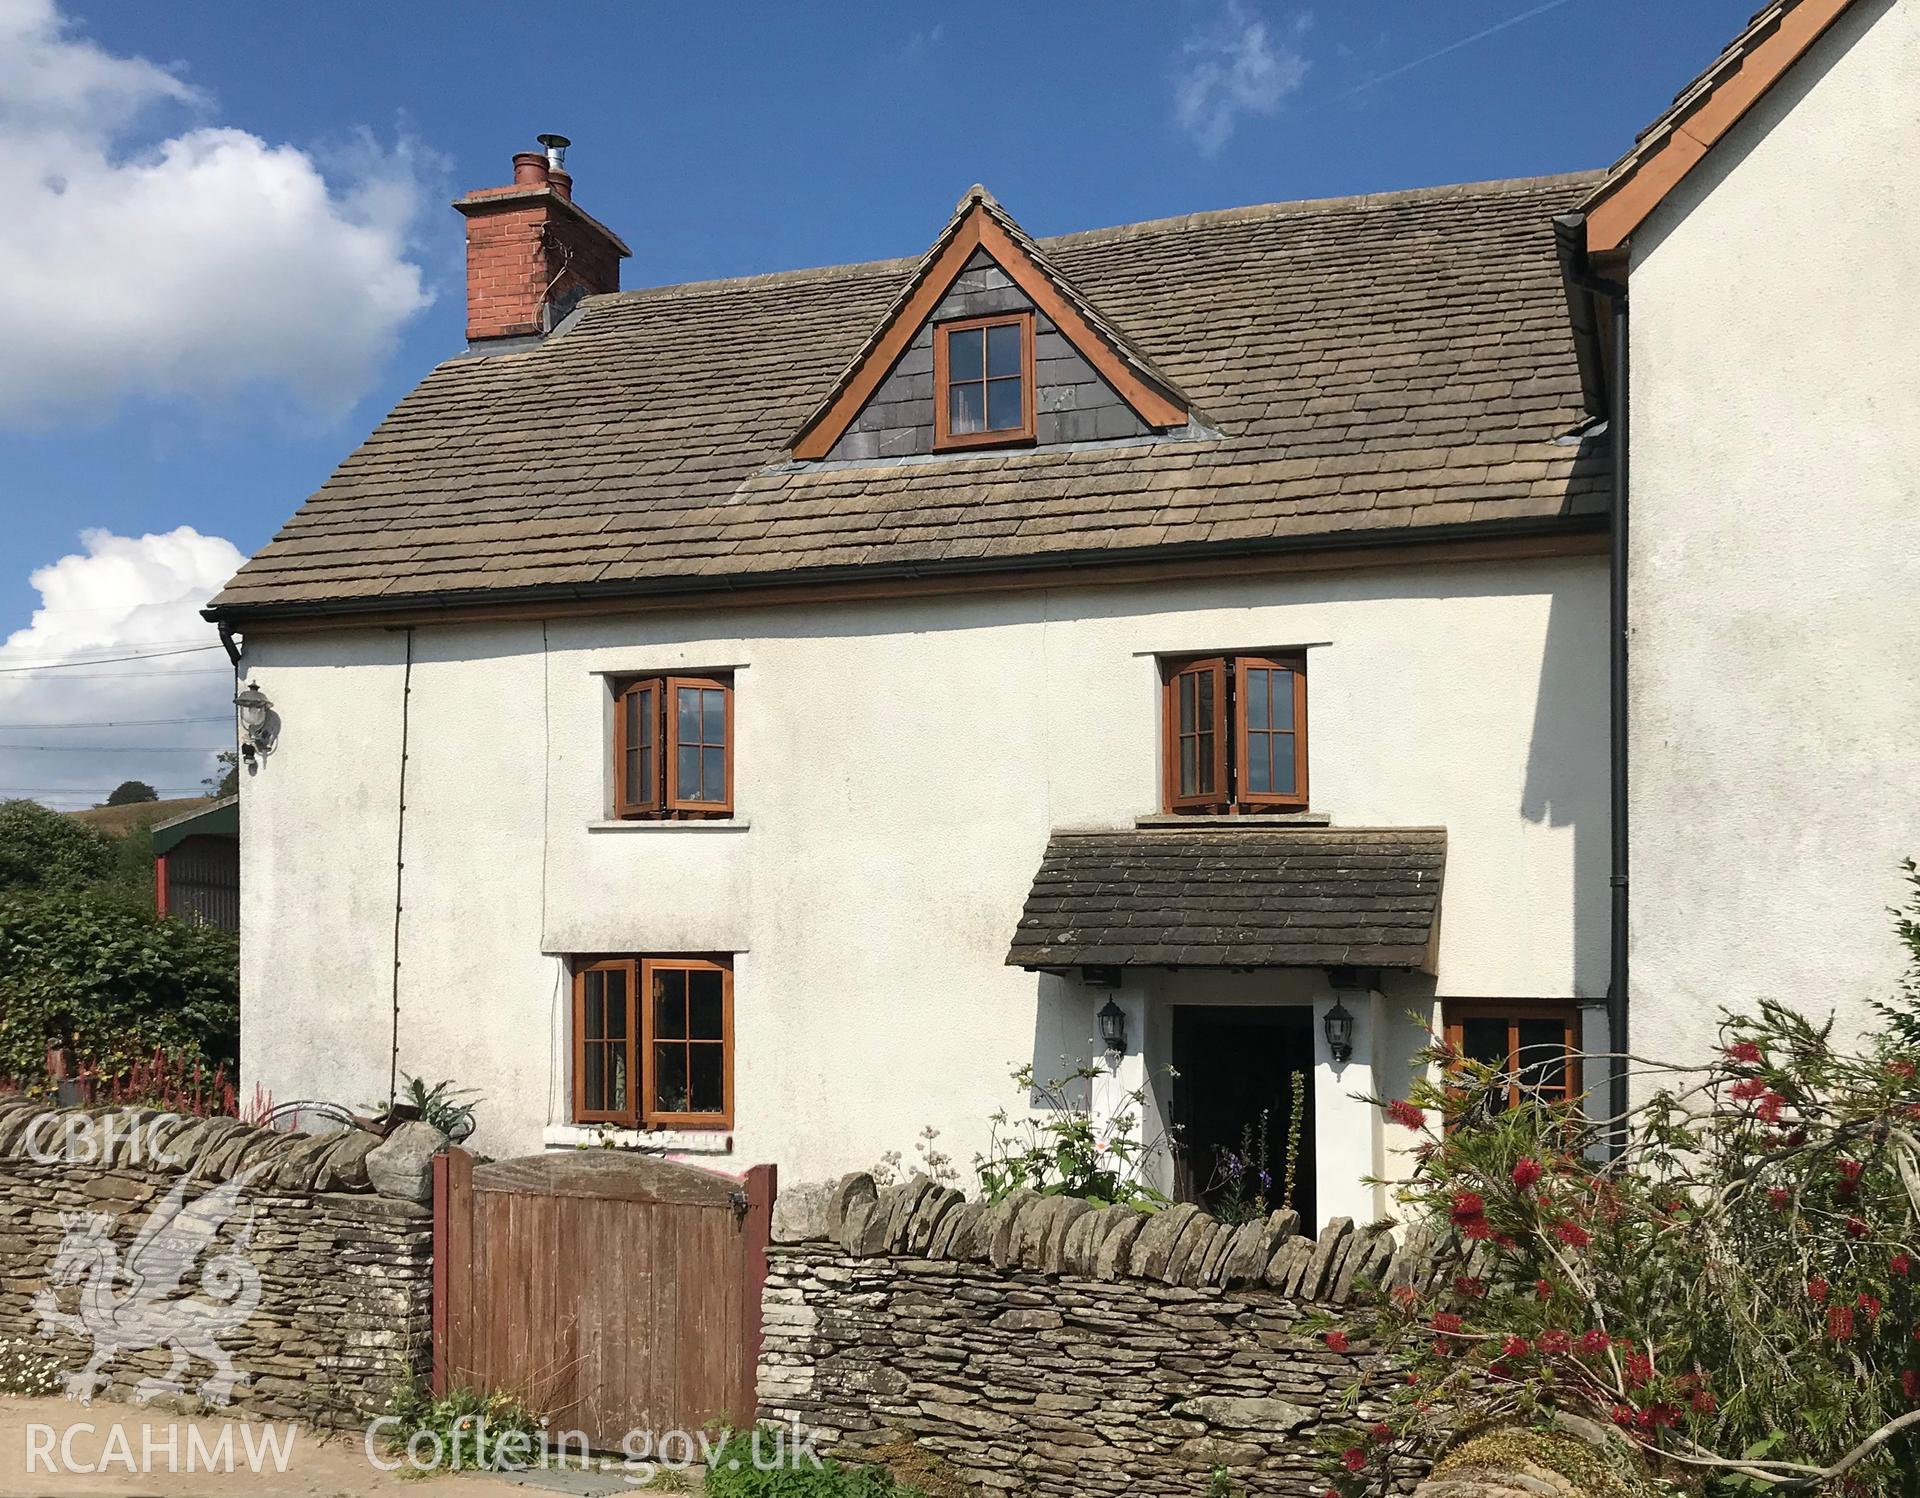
{"x": 653, "y": 1042}
{"x": 983, "y": 381}
{"x": 673, "y": 746}
{"x": 1234, "y": 734}
{"x": 1534, "y": 1048}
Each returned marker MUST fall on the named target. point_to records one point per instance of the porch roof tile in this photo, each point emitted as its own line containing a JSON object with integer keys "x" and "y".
{"x": 1234, "y": 897}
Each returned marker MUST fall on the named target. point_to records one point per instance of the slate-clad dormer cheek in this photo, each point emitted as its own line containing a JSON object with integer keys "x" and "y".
{"x": 988, "y": 369}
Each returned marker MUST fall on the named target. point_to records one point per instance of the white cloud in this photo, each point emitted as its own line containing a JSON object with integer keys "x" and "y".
{"x": 189, "y": 266}
{"x": 1232, "y": 69}
{"x": 121, "y": 595}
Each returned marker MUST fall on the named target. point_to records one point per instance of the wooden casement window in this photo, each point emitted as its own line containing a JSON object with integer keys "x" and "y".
{"x": 653, "y": 1042}
{"x": 673, "y": 746}
{"x": 983, "y": 381}
{"x": 1536, "y": 1046}
{"x": 1234, "y": 731}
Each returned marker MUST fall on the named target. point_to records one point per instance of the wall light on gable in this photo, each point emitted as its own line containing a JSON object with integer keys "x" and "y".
{"x": 256, "y": 719}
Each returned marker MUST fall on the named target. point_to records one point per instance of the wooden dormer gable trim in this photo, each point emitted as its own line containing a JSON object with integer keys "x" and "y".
{"x": 980, "y": 224}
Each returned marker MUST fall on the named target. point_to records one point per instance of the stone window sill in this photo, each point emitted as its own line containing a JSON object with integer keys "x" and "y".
{"x": 671, "y": 1141}
{"x": 691, "y": 824}
{"x": 1257, "y": 819}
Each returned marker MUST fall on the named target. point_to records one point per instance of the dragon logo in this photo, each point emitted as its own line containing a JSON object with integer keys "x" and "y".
{"x": 131, "y": 1304}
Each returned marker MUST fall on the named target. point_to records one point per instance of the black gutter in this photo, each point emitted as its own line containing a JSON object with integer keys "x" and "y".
{"x": 1523, "y": 528}
{"x": 1604, "y": 383}
{"x": 1570, "y": 244}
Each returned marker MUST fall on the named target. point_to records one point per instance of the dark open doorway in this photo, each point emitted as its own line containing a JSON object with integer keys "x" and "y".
{"x": 1232, "y": 1063}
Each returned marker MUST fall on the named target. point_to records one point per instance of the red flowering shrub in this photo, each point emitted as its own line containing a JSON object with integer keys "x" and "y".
{"x": 1405, "y": 1114}
{"x": 1731, "y": 1291}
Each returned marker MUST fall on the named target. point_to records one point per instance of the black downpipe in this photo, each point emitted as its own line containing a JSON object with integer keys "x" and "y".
{"x": 1603, "y": 382}
{"x": 400, "y": 868}
{"x": 1617, "y": 1007}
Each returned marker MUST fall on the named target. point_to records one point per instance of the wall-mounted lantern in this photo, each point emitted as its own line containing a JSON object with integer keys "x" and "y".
{"x": 1339, "y": 1026}
{"x": 1339, "y": 1020}
{"x": 256, "y": 714}
{"x": 1113, "y": 1028}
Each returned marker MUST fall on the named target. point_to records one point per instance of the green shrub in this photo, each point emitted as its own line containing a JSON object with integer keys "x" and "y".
{"x": 113, "y": 980}
{"x": 443, "y": 1105}
{"x": 1066, "y": 1149}
{"x": 733, "y": 1473}
{"x": 41, "y": 849}
{"x": 468, "y": 1425}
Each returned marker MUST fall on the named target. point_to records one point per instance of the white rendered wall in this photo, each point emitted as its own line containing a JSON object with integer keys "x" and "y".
{"x": 1776, "y": 549}
{"x": 899, "y": 767}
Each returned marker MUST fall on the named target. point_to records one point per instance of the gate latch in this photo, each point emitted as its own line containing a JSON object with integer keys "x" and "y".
{"x": 738, "y": 1200}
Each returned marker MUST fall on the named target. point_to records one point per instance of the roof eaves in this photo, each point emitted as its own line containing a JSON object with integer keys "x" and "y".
{"x": 219, "y": 818}
{"x": 754, "y": 584}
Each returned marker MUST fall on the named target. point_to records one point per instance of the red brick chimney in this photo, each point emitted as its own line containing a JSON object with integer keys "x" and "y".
{"x": 531, "y": 254}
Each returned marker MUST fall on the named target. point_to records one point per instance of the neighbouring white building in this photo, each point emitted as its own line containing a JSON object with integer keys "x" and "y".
{"x": 750, "y": 719}
{"x": 1764, "y": 230}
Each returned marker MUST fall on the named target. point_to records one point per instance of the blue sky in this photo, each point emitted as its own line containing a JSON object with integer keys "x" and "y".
{"x": 241, "y": 254}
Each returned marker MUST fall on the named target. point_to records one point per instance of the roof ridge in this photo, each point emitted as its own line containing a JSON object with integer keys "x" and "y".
{"x": 851, "y": 270}
{"x": 1289, "y": 206}
{"x": 900, "y": 264}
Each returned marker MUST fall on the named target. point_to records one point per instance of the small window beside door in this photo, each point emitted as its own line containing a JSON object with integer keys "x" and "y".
{"x": 1535, "y": 1047}
{"x": 1234, "y": 734}
{"x": 653, "y": 1042}
{"x": 673, "y": 746}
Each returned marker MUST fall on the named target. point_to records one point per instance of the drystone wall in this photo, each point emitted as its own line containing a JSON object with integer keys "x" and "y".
{"x": 195, "y": 1262}
{"x": 1044, "y": 1346}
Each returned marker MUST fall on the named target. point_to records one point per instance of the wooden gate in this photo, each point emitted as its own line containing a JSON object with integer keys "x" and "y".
{"x": 615, "y": 1292}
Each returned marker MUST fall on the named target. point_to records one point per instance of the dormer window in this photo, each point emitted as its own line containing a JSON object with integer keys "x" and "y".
{"x": 983, "y": 381}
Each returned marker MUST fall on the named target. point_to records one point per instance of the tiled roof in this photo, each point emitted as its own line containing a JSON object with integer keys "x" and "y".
{"x": 1373, "y": 365}
{"x": 1238, "y": 897}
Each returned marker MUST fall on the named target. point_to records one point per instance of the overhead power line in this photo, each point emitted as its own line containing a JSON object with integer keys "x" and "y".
{"x": 109, "y": 660}
{"x": 87, "y": 790}
{"x": 110, "y": 723}
{"x": 143, "y": 646}
{"x": 103, "y": 749}
{"x": 145, "y": 675}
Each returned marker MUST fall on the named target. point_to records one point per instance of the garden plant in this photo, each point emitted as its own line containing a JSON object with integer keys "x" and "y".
{"x": 1718, "y": 1292}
